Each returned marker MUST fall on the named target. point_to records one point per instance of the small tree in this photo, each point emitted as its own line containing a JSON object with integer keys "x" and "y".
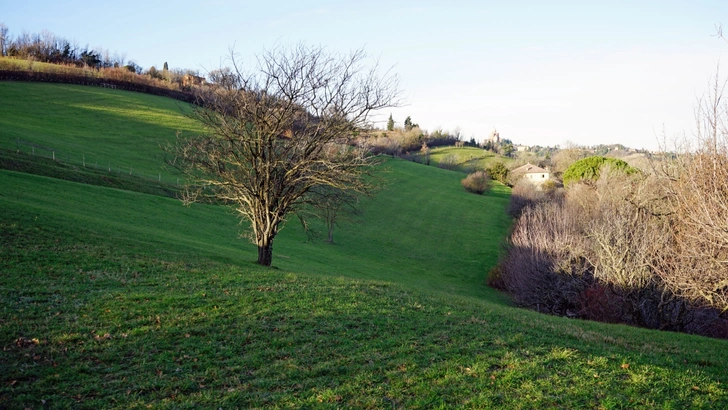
{"x": 589, "y": 169}
{"x": 133, "y": 67}
{"x": 408, "y": 124}
{"x": 333, "y": 205}
{"x": 390, "y": 123}
{"x": 507, "y": 148}
{"x": 280, "y": 131}
{"x": 425, "y": 153}
{"x": 478, "y": 182}
{"x": 499, "y": 172}
{"x": 3, "y": 39}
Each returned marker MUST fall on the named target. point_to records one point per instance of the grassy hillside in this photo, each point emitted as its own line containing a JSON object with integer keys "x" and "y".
{"x": 101, "y": 127}
{"x": 118, "y": 299}
{"x": 114, "y": 299}
{"x": 467, "y": 157}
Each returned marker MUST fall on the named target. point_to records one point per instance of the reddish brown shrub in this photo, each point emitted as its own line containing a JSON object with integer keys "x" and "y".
{"x": 523, "y": 194}
{"x": 477, "y": 182}
{"x": 598, "y": 302}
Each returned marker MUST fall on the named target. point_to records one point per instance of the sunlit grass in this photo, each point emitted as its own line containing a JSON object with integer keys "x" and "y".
{"x": 116, "y": 129}
{"x": 118, "y": 299}
{"x": 138, "y": 301}
{"x": 467, "y": 158}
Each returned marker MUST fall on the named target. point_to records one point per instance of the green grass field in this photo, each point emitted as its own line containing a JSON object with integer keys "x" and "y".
{"x": 119, "y": 299}
{"x": 104, "y": 128}
{"x": 467, "y": 158}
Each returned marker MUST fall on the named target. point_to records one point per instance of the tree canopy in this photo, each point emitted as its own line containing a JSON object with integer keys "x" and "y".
{"x": 276, "y": 133}
{"x": 589, "y": 168}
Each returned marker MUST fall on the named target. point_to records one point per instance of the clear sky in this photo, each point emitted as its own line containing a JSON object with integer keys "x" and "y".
{"x": 541, "y": 72}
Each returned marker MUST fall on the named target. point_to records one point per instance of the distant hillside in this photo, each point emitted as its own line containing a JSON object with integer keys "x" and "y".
{"x": 467, "y": 159}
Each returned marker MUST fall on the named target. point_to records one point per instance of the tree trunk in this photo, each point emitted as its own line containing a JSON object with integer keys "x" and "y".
{"x": 331, "y": 234}
{"x": 265, "y": 254}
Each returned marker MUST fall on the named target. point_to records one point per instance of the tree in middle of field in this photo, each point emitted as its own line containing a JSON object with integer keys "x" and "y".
{"x": 280, "y": 132}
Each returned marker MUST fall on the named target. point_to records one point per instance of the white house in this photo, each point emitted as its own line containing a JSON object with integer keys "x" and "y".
{"x": 536, "y": 175}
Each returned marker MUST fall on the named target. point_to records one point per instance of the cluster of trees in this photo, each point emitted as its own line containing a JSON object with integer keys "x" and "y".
{"x": 50, "y": 48}
{"x": 407, "y": 140}
{"x": 504, "y": 147}
{"x": 618, "y": 245}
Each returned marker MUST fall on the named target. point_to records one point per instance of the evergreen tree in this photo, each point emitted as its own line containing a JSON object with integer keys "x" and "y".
{"x": 390, "y": 123}
{"x": 166, "y": 67}
{"x": 408, "y": 123}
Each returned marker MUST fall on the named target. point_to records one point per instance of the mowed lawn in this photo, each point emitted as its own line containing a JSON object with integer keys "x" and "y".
{"x": 467, "y": 158}
{"x": 114, "y": 299}
{"x": 117, "y": 299}
{"x": 105, "y": 128}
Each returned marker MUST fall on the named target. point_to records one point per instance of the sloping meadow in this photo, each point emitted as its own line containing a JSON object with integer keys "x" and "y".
{"x": 145, "y": 302}
{"x": 117, "y": 299}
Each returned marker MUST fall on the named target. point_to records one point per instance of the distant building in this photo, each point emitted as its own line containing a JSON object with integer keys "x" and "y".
{"x": 532, "y": 173}
{"x": 521, "y": 148}
{"x": 494, "y": 137}
{"x": 189, "y": 80}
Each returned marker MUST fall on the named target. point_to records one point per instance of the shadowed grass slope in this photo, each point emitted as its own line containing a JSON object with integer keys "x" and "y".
{"x": 101, "y": 126}
{"x": 114, "y": 299}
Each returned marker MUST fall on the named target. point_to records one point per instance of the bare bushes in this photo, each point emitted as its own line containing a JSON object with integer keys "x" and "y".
{"x": 543, "y": 269}
{"x": 478, "y": 182}
{"x": 643, "y": 249}
{"x": 610, "y": 251}
{"x": 698, "y": 194}
{"x": 523, "y": 194}
{"x": 399, "y": 141}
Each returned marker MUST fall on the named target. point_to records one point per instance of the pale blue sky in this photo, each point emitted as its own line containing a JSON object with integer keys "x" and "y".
{"x": 540, "y": 72}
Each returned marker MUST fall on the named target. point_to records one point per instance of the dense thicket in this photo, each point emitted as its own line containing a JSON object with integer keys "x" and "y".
{"x": 621, "y": 250}
{"x": 71, "y": 61}
{"x": 400, "y": 141}
{"x": 646, "y": 250}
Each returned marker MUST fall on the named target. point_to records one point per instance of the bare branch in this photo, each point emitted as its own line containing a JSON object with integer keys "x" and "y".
{"x": 283, "y": 130}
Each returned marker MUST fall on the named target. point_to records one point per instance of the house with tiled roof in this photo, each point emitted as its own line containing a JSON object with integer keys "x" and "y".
{"x": 532, "y": 173}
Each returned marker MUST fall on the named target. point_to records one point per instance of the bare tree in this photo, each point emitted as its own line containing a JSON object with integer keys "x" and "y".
{"x": 3, "y": 39}
{"x": 334, "y": 205}
{"x": 277, "y": 132}
{"x": 566, "y": 156}
{"x": 697, "y": 184}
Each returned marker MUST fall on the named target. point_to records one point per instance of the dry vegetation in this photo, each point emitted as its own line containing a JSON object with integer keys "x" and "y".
{"x": 621, "y": 250}
{"x": 478, "y": 182}
{"x": 647, "y": 249}
{"x": 412, "y": 144}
